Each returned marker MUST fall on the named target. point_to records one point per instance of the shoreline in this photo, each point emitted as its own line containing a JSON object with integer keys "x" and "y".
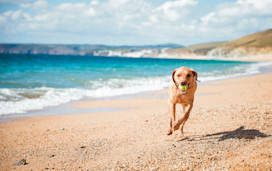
{"x": 228, "y": 128}
{"x": 69, "y": 109}
{"x": 252, "y": 58}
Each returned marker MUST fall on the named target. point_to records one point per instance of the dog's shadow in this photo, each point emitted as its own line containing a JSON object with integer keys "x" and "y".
{"x": 240, "y": 133}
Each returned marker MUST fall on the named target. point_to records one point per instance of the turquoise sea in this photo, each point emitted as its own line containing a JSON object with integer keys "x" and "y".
{"x": 33, "y": 82}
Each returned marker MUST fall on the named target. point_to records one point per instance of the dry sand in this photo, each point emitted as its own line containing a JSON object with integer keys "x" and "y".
{"x": 229, "y": 128}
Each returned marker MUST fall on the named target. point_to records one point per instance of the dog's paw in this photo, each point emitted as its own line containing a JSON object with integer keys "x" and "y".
{"x": 169, "y": 132}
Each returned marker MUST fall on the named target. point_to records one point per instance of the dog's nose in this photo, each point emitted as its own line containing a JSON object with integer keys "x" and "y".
{"x": 184, "y": 83}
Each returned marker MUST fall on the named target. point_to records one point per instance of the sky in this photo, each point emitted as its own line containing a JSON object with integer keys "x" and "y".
{"x": 131, "y": 22}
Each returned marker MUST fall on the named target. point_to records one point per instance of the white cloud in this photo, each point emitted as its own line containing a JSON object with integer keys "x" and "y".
{"x": 136, "y": 21}
{"x": 9, "y": 21}
{"x": 262, "y": 6}
{"x": 173, "y": 10}
{"x": 170, "y": 5}
{"x": 233, "y": 20}
{"x": 241, "y": 10}
{"x": 12, "y": 15}
{"x": 40, "y": 4}
{"x": 16, "y": 15}
{"x": 116, "y": 15}
{"x": 94, "y": 2}
{"x": 36, "y": 5}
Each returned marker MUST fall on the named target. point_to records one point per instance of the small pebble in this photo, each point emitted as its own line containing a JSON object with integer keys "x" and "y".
{"x": 21, "y": 162}
{"x": 51, "y": 155}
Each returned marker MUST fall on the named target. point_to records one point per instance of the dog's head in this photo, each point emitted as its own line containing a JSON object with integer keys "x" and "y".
{"x": 184, "y": 76}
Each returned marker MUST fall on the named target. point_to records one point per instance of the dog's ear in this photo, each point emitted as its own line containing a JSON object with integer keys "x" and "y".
{"x": 195, "y": 74}
{"x": 173, "y": 74}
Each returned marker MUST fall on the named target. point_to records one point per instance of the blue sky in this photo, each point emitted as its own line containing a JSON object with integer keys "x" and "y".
{"x": 131, "y": 22}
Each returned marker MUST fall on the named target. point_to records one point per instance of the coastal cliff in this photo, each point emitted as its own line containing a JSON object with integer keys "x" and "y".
{"x": 259, "y": 43}
{"x": 257, "y": 46}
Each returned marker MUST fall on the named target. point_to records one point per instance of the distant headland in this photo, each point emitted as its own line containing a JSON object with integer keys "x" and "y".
{"x": 255, "y": 47}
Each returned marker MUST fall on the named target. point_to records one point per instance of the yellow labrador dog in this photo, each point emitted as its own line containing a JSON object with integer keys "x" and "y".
{"x": 181, "y": 77}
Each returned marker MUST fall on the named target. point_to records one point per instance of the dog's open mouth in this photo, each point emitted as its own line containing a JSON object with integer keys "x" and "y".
{"x": 183, "y": 88}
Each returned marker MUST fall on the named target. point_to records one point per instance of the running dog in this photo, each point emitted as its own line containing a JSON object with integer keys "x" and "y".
{"x": 181, "y": 77}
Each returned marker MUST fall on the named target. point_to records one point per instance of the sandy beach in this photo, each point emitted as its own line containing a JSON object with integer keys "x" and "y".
{"x": 230, "y": 128}
{"x": 84, "y": 85}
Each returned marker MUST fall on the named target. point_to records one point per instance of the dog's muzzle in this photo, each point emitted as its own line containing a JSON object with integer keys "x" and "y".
{"x": 184, "y": 92}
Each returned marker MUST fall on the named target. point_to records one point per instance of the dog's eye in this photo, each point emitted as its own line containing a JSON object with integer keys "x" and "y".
{"x": 188, "y": 75}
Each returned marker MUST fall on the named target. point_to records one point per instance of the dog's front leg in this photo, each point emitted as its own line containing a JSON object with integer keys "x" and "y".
{"x": 172, "y": 111}
{"x": 184, "y": 118}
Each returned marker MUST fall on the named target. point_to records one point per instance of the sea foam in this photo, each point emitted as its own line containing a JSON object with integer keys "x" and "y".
{"x": 22, "y": 100}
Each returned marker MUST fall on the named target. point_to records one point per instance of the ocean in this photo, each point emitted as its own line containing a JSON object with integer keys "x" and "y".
{"x": 33, "y": 82}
